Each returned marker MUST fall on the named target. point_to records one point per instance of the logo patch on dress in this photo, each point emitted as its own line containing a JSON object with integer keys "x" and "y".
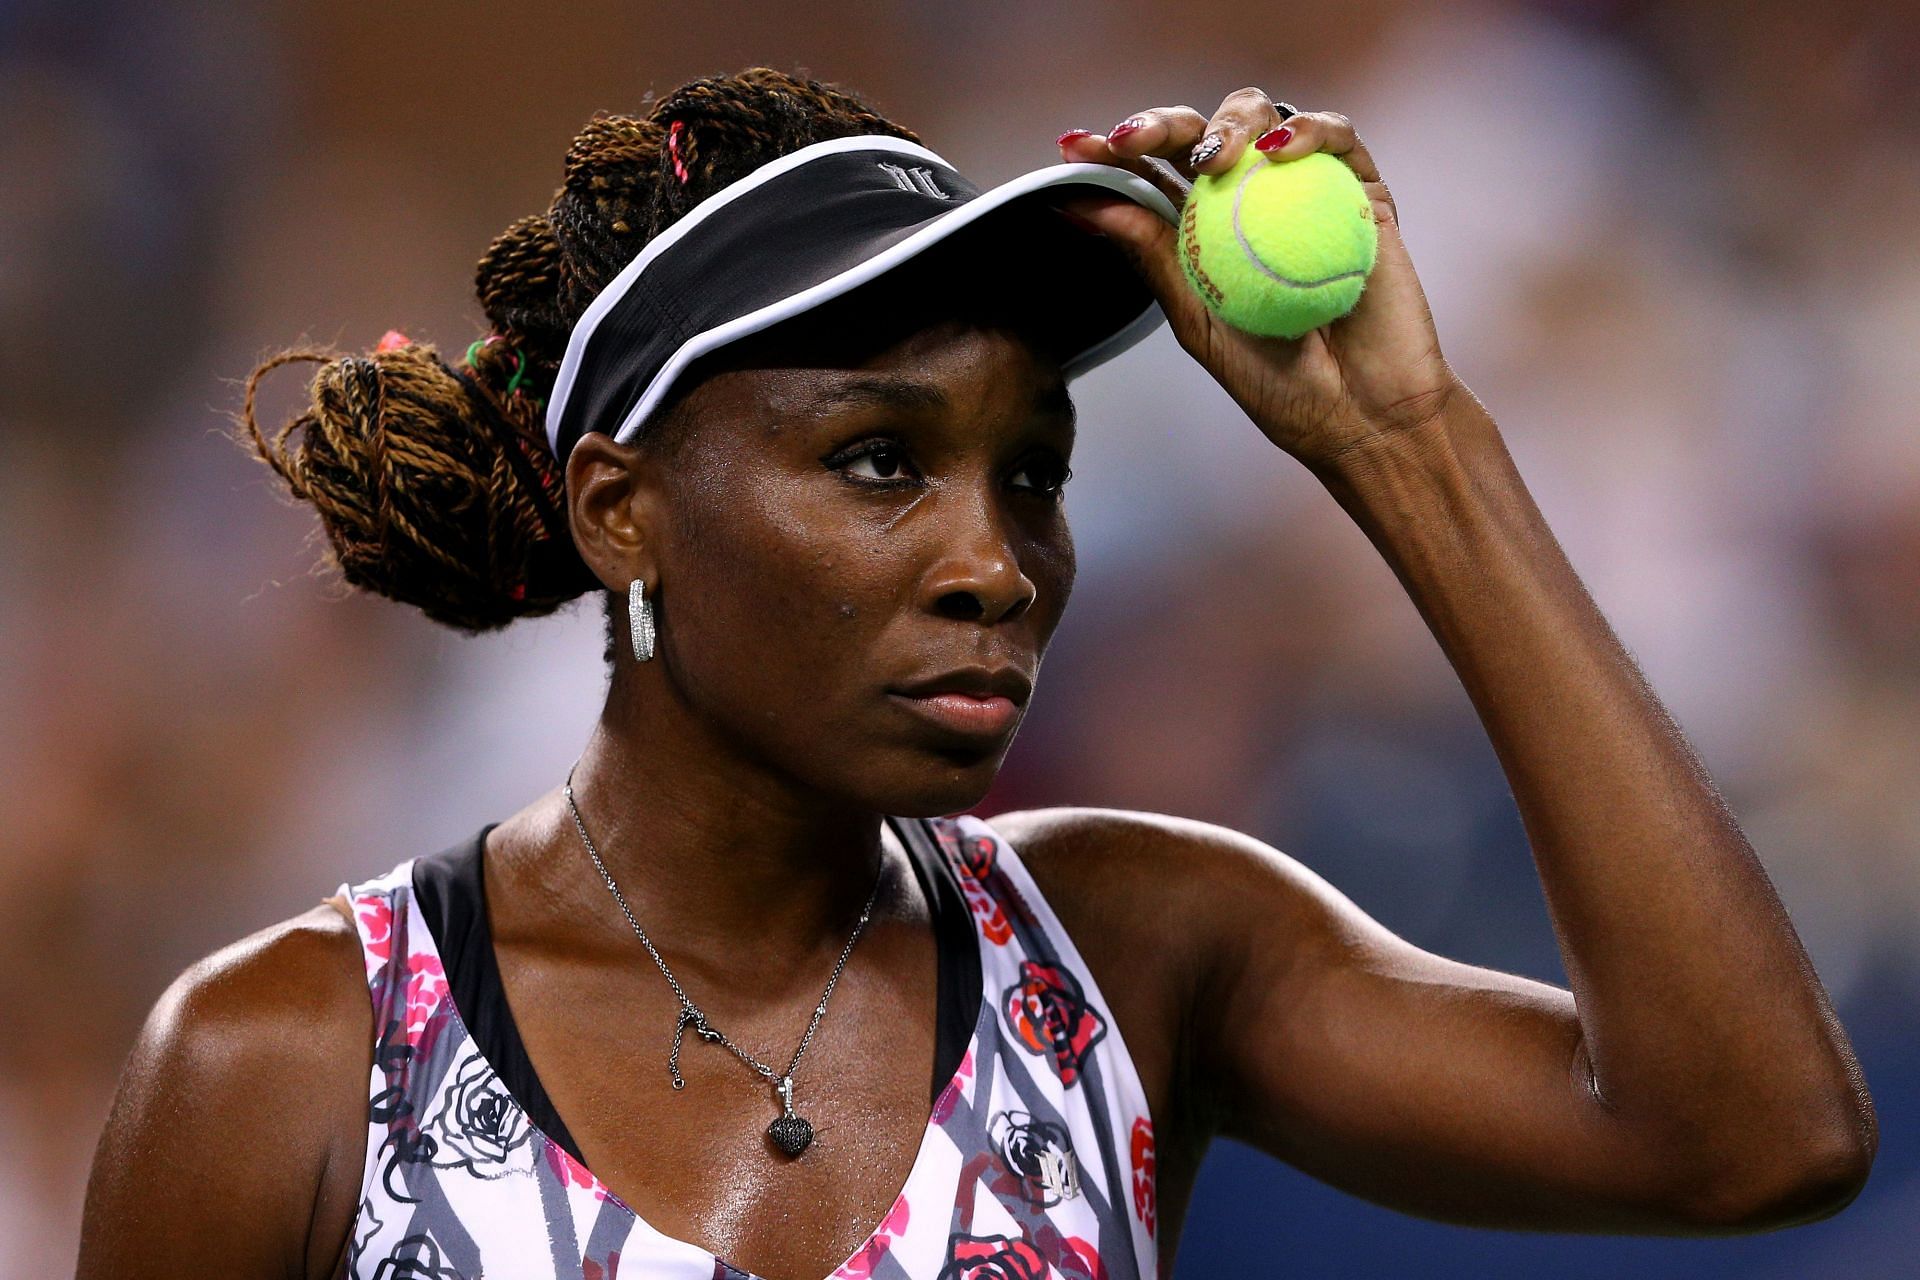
{"x": 1038, "y": 1154}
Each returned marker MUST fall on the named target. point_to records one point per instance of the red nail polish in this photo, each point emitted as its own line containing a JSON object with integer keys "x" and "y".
{"x": 1122, "y": 129}
{"x": 1273, "y": 139}
{"x": 1070, "y": 135}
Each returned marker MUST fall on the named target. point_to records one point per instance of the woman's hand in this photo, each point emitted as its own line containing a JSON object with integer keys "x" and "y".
{"x": 1372, "y": 373}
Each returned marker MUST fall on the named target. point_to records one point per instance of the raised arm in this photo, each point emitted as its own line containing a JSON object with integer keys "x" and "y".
{"x": 235, "y": 1143}
{"x": 1696, "y": 1077}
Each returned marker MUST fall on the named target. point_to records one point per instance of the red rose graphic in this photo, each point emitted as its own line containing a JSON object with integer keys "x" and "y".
{"x": 992, "y": 1258}
{"x": 860, "y": 1266}
{"x": 570, "y": 1171}
{"x": 377, "y": 915}
{"x": 426, "y": 989}
{"x": 976, "y": 855}
{"x": 993, "y": 921}
{"x": 1143, "y": 1181}
{"x": 1048, "y": 1013}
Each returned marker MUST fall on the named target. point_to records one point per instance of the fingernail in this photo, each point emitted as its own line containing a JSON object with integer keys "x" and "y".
{"x": 1209, "y": 148}
{"x": 1273, "y": 139}
{"x": 1070, "y": 135}
{"x": 1132, "y": 124}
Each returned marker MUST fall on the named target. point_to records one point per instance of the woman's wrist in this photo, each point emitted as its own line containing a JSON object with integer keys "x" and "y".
{"x": 1422, "y": 453}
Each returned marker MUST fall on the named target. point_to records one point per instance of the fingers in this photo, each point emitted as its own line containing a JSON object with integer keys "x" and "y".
{"x": 1244, "y": 115}
{"x": 1080, "y": 145}
{"x": 1160, "y": 144}
{"x": 1194, "y": 144}
{"x": 1333, "y": 133}
{"x": 1166, "y": 132}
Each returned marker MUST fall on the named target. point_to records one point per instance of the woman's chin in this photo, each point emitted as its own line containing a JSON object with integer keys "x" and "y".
{"x": 941, "y": 781}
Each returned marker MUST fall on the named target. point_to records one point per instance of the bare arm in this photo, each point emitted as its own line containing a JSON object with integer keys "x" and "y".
{"x": 235, "y": 1142}
{"x": 1695, "y": 1077}
{"x": 1697, "y": 1069}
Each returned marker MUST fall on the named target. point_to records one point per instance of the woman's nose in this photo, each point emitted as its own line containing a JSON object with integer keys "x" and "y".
{"x": 977, "y": 574}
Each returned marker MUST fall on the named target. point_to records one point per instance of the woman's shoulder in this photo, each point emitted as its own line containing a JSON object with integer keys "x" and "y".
{"x": 282, "y": 1013}
{"x": 246, "y": 1088}
{"x": 1126, "y": 862}
{"x": 296, "y": 973}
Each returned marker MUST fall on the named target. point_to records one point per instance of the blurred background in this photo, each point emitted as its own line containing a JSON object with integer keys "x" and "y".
{"x": 1673, "y": 247}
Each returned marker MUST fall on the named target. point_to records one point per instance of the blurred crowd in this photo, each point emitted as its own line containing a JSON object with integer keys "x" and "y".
{"x": 1675, "y": 248}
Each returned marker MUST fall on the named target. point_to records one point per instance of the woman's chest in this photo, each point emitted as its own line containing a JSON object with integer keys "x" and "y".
{"x": 699, "y": 1163}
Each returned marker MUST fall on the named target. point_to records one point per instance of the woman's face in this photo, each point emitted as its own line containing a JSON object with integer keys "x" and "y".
{"x": 842, "y": 531}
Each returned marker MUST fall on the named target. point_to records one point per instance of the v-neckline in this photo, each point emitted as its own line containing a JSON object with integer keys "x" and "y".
{"x": 923, "y": 1154}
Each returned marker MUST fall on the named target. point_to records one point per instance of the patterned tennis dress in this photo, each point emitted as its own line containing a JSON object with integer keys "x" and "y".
{"x": 1037, "y": 1160}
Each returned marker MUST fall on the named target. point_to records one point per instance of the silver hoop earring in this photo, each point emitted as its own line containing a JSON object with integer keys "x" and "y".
{"x": 639, "y": 620}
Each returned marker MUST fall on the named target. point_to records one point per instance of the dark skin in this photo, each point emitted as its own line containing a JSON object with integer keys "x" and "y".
{"x": 1694, "y": 1080}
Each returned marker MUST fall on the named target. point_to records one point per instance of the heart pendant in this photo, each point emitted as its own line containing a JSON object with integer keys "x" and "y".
{"x": 791, "y": 1134}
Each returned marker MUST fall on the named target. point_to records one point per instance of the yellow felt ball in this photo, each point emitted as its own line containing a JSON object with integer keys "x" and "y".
{"x": 1279, "y": 247}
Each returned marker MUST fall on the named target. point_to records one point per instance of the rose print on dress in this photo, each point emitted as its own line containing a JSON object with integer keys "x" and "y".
{"x": 376, "y": 918}
{"x": 478, "y": 1126}
{"x": 986, "y": 910}
{"x": 950, "y": 1096}
{"x": 570, "y": 1171}
{"x": 1048, "y": 1013}
{"x": 992, "y": 1258}
{"x": 1143, "y": 1172}
{"x": 976, "y": 854}
{"x": 990, "y": 892}
{"x": 860, "y": 1266}
{"x": 426, "y": 989}
{"x": 1088, "y": 1257}
{"x": 415, "y": 1258}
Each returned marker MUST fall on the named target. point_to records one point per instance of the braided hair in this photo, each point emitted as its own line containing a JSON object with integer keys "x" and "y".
{"x": 434, "y": 481}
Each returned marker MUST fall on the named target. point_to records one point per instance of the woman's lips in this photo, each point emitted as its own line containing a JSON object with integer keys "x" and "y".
{"x": 963, "y": 713}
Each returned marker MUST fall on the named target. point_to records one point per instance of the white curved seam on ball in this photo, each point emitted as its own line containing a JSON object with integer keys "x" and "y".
{"x": 1240, "y": 235}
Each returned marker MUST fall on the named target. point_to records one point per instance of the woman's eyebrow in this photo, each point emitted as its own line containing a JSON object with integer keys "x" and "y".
{"x": 882, "y": 392}
{"x": 1052, "y": 399}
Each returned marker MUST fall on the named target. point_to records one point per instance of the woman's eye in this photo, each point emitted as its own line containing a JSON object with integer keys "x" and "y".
{"x": 883, "y": 462}
{"x": 1049, "y": 475}
{"x": 885, "y": 458}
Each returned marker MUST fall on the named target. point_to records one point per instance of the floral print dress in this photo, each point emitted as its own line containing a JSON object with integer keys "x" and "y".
{"x": 1037, "y": 1160}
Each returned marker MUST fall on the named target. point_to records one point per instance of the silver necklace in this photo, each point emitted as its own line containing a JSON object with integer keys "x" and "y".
{"x": 790, "y": 1132}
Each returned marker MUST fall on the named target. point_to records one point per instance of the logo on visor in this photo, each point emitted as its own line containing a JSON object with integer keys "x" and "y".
{"x": 917, "y": 179}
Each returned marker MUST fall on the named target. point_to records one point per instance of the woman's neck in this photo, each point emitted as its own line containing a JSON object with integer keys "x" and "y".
{"x": 735, "y": 871}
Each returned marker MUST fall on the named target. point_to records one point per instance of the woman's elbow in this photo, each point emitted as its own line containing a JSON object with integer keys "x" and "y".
{"x": 1811, "y": 1180}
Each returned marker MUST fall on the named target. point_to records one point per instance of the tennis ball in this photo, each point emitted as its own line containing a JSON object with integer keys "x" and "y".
{"x": 1279, "y": 247}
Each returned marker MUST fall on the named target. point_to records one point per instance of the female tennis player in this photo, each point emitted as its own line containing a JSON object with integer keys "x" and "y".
{"x": 747, "y": 992}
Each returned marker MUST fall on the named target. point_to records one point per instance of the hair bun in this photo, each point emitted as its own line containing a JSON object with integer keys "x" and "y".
{"x": 424, "y": 487}
{"x": 519, "y": 280}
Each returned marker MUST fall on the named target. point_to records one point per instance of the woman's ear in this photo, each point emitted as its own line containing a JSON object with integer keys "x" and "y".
{"x": 614, "y": 506}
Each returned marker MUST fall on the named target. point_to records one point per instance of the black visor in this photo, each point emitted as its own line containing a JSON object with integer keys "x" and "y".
{"x": 821, "y": 221}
